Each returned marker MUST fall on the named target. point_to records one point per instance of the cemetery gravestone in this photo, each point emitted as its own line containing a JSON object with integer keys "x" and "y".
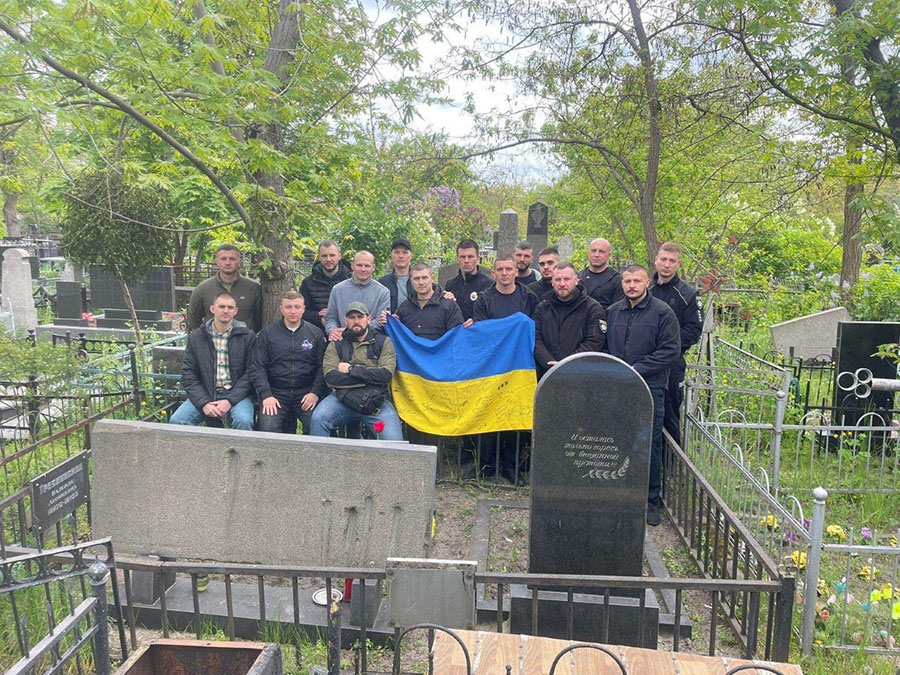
{"x": 538, "y": 222}
{"x": 856, "y": 342}
{"x": 154, "y": 295}
{"x": 811, "y": 335}
{"x": 565, "y": 247}
{"x": 508, "y": 235}
{"x": 70, "y": 303}
{"x": 589, "y": 474}
{"x": 254, "y": 497}
{"x": 15, "y": 284}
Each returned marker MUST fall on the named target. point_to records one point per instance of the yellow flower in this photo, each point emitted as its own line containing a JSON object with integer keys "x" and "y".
{"x": 836, "y": 532}
{"x": 887, "y": 591}
{"x": 770, "y": 522}
{"x": 799, "y": 559}
{"x": 894, "y": 541}
{"x": 868, "y": 572}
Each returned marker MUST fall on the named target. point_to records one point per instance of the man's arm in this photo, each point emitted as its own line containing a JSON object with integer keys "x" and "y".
{"x": 691, "y": 321}
{"x": 241, "y": 388}
{"x": 257, "y": 313}
{"x": 479, "y": 309}
{"x": 668, "y": 348}
{"x": 332, "y": 320}
{"x": 259, "y": 375}
{"x": 594, "y": 337}
{"x": 334, "y": 377}
{"x": 541, "y": 354}
{"x": 454, "y": 316}
{"x": 196, "y": 310}
{"x": 318, "y": 385}
{"x": 309, "y": 314}
{"x": 192, "y": 379}
{"x": 382, "y": 304}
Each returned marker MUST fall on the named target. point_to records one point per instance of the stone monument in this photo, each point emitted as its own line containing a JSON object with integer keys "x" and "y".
{"x": 538, "y": 221}
{"x": 508, "y": 235}
{"x": 590, "y": 468}
{"x": 809, "y": 336}
{"x": 565, "y": 247}
{"x": 15, "y": 286}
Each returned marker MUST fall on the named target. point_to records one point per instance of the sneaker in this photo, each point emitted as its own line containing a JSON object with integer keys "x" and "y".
{"x": 202, "y": 582}
{"x": 653, "y": 518}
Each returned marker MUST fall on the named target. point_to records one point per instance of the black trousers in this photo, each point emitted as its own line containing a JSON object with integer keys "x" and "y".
{"x": 284, "y": 421}
{"x": 674, "y": 398}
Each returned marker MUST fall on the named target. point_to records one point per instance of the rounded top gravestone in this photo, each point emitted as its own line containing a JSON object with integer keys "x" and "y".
{"x": 590, "y": 465}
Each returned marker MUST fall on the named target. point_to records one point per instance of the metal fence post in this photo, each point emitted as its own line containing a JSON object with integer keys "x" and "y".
{"x": 688, "y": 402}
{"x": 813, "y": 561}
{"x": 98, "y": 573}
{"x": 780, "y": 407}
{"x": 784, "y": 612}
{"x": 334, "y": 635}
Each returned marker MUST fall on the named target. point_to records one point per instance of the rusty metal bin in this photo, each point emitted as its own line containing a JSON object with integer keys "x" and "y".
{"x": 201, "y": 657}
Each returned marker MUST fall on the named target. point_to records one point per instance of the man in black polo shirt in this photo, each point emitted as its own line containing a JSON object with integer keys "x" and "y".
{"x": 600, "y": 280}
{"x": 470, "y": 281}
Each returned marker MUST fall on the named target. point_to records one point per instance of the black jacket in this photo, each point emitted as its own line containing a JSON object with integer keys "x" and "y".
{"x": 389, "y": 281}
{"x": 198, "y": 367}
{"x": 434, "y": 319}
{"x": 466, "y": 289}
{"x": 566, "y": 328}
{"x": 685, "y": 302}
{"x": 541, "y": 288}
{"x": 286, "y": 361}
{"x": 485, "y": 305}
{"x": 645, "y": 336}
{"x": 316, "y": 289}
{"x": 533, "y": 276}
{"x": 605, "y": 287}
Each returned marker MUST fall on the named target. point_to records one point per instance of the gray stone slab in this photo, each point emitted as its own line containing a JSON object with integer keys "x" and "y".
{"x": 76, "y": 329}
{"x": 15, "y": 282}
{"x": 431, "y": 591}
{"x": 811, "y": 335}
{"x": 508, "y": 235}
{"x": 168, "y": 358}
{"x": 254, "y": 497}
{"x": 590, "y": 467}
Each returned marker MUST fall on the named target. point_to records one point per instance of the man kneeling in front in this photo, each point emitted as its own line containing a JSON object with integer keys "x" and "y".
{"x": 359, "y": 368}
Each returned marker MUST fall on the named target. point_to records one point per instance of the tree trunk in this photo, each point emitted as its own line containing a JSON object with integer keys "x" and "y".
{"x": 852, "y": 251}
{"x": 647, "y": 209}
{"x": 11, "y": 215}
{"x": 277, "y": 272}
{"x": 138, "y": 338}
{"x": 181, "y": 249}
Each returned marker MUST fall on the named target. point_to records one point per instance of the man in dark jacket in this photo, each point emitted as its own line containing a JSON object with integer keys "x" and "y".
{"x": 643, "y": 332}
{"x": 215, "y": 369}
{"x": 470, "y": 281}
{"x": 600, "y": 280}
{"x": 328, "y": 270}
{"x": 685, "y": 302}
{"x": 398, "y": 281}
{"x": 365, "y": 361}
{"x": 287, "y": 368}
{"x": 523, "y": 257}
{"x": 547, "y": 260}
{"x": 506, "y": 296}
{"x": 428, "y": 313}
{"x": 567, "y": 321}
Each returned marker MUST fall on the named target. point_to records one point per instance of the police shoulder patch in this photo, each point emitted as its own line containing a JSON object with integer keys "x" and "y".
{"x": 473, "y": 296}
{"x": 602, "y": 326}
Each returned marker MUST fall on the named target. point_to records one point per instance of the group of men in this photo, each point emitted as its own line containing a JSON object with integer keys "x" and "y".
{"x": 327, "y": 361}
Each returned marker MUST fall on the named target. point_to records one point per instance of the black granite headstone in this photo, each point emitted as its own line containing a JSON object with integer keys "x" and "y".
{"x": 156, "y": 292}
{"x": 856, "y": 342}
{"x": 590, "y": 466}
{"x": 70, "y": 300}
{"x": 537, "y": 219}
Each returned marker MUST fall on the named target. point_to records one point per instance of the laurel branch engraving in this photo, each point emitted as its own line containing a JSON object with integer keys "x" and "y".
{"x": 605, "y": 474}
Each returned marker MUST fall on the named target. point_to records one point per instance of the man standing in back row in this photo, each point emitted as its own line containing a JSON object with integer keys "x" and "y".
{"x": 470, "y": 281}
{"x": 601, "y": 281}
{"x": 329, "y": 270}
{"x": 246, "y": 292}
{"x": 398, "y": 281}
{"x": 685, "y": 302}
{"x": 643, "y": 332}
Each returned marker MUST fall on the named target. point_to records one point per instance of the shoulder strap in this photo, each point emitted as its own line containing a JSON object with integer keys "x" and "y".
{"x": 373, "y": 349}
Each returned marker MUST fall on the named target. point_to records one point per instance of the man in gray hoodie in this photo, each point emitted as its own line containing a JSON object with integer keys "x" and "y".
{"x": 360, "y": 287}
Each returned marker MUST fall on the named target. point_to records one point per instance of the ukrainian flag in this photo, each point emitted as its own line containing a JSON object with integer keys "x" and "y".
{"x": 470, "y": 381}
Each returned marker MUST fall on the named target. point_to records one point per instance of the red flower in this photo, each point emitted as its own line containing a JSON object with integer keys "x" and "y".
{"x": 378, "y": 426}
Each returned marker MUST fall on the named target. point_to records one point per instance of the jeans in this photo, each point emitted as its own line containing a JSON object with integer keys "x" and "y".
{"x": 331, "y": 414}
{"x": 285, "y": 418}
{"x": 659, "y": 413}
{"x": 241, "y": 414}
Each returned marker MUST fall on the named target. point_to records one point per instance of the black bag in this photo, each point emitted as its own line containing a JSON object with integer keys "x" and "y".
{"x": 365, "y": 400}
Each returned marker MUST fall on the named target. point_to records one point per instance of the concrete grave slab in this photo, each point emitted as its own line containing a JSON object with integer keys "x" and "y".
{"x": 254, "y": 497}
{"x": 811, "y": 335}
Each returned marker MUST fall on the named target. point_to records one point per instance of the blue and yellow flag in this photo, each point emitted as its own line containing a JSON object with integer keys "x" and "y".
{"x": 470, "y": 381}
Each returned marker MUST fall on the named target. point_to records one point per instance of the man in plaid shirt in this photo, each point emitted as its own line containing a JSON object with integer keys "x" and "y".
{"x": 215, "y": 369}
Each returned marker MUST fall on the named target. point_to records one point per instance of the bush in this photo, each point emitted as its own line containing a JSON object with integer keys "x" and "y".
{"x": 877, "y": 295}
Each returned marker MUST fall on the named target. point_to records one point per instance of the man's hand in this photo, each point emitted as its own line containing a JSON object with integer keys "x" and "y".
{"x": 211, "y": 409}
{"x": 309, "y": 401}
{"x": 270, "y": 405}
{"x": 323, "y": 312}
{"x": 336, "y": 335}
{"x": 224, "y": 406}
{"x": 468, "y": 322}
{"x": 552, "y": 363}
{"x": 449, "y": 296}
{"x": 382, "y": 318}
{"x": 343, "y": 367}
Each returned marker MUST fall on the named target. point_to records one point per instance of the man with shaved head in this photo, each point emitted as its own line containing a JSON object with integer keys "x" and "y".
{"x": 600, "y": 281}
{"x": 360, "y": 287}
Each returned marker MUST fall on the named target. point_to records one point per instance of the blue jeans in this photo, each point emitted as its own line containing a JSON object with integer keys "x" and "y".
{"x": 241, "y": 414}
{"x": 331, "y": 414}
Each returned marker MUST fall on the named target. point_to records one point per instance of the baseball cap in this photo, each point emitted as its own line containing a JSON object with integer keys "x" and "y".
{"x": 357, "y": 307}
{"x": 401, "y": 241}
